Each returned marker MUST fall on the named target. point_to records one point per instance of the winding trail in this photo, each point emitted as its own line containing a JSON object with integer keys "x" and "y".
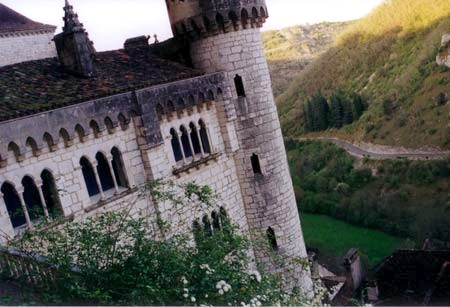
{"x": 381, "y": 152}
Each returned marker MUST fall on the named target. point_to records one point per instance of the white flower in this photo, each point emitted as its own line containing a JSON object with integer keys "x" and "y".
{"x": 206, "y": 295}
{"x": 221, "y": 292}
{"x": 193, "y": 300}
{"x": 185, "y": 295}
{"x": 186, "y": 290}
{"x": 184, "y": 280}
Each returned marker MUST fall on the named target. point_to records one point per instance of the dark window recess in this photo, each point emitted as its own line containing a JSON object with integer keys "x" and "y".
{"x": 255, "y": 165}
{"x": 216, "y": 221}
{"x": 32, "y": 199}
{"x": 204, "y": 137}
{"x": 104, "y": 172}
{"x": 12, "y": 202}
{"x": 176, "y": 148}
{"x": 51, "y": 194}
{"x": 272, "y": 239}
{"x": 195, "y": 140}
{"x": 207, "y": 226}
{"x": 240, "y": 90}
{"x": 89, "y": 177}
{"x": 119, "y": 169}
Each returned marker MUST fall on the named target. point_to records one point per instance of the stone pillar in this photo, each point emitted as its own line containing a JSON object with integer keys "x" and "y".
{"x": 113, "y": 175}
{"x": 97, "y": 180}
{"x": 188, "y": 131}
{"x": 41, "y": 196}
{"x": 181, "y": 147}
{"x": 24, "y": 207}
{"x": 199, "y": 140}
{"x": 7, "y": 232}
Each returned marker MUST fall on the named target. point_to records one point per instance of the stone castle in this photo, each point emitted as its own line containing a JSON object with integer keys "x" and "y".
{"x": 81, "y": 131}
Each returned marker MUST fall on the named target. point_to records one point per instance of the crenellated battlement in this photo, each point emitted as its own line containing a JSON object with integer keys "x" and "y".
{"x": 194, "y": 19}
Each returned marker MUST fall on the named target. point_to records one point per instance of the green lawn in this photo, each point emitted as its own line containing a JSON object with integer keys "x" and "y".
{"x": 333, "y": 238}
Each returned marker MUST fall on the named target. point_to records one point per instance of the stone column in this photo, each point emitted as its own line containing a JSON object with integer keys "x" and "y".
{"x": 39, "y": 186}
{"x": 208, "y": 136}
{"x": 24, "y": 207}
{"x": 188, "y": 131}
{"x": 97, "y": 180}
{"x": 181, "y": 147}
{"x": 113, "y": 175}
{"x": 197, "y": 131}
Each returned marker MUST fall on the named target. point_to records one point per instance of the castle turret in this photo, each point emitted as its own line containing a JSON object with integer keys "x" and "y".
{"x": 224, "y": 35}
{"x": 75, "y": 50}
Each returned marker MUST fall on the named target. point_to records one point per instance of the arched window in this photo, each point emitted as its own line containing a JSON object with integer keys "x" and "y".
{"x": 195, "y": 140}
{"x": 13, "y": 205}
{"x": 204, "y": 137}
{"x": 89, "y": 177}
{"x": 119, "y": 168}
{"x": 197, "y": 230}
{"x": 206, "y": 23}
{"x": 234, "y": 19}
{"x": 262, "y": 12}
{"x": 272, "y": 239}
{"x": 195, "y": 29}
{"x": 254, "y": 14}
{"x": 104, "y": 172}
{"x": 207, "y": 226}
{"x": 51, "y": 194}
{"x": 239, "y": 84}
{"x": 176, "y": 148}
{"x": 216, "y": 221}
{"x": 185, "y": 142}
{"x": 159, "y": 111}
{"x": 256, "y": 165}
{"x": 32, "y": 198}
{"x": 170, "y": 106}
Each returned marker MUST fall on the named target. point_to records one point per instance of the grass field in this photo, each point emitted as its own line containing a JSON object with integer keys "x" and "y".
{"x": 333, "y": 238}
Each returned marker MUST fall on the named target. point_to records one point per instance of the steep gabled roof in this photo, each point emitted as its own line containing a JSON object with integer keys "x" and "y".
{"x": 11, "y": 21}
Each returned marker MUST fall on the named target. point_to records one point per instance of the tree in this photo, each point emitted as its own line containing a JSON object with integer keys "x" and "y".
{"x": 337, "y": 109}
{"x": 321, "y": 112}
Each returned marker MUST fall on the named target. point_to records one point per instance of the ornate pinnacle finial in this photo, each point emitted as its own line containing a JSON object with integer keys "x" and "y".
{"x": 156, "y": 38}
{"x": 71, "y": 22}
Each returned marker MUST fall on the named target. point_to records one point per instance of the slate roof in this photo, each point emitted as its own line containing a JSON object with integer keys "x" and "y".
{"x": 11, "y": 21}
{"x": 36, "y": 86}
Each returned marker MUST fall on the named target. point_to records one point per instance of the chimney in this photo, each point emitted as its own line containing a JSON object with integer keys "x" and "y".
{"x": 75, "y": 51}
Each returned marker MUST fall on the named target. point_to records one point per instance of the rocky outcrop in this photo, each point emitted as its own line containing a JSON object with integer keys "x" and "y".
{"x": 443, "y": 57}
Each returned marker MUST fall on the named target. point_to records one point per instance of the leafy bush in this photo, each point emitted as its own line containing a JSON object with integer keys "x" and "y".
{"x": 113, "y": 259}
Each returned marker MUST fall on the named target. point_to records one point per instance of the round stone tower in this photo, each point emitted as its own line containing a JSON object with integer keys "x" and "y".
{"x": 224, "y": 35}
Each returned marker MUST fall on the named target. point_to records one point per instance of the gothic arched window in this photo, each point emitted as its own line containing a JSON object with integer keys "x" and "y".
{"x": 89, "y": 177}
{"x": 239, "y": 84}
{"x": 119, "y": 168}
{"x": 185, "y": 142}
{"x": 104, "y": 172}
{"x": 13, "y": 205}
{"x": 207, "y": 226}
{"x": 51, "y": 194}
{"x": 216, "y": 221}
{"x": 32, "y": 199}
{"x": 176, "y": 148}
{"x": 204, "y": 137}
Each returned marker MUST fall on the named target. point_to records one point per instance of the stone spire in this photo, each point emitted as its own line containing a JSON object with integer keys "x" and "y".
{"x": 71, "y": 22}
{"x": 75, "y": 51}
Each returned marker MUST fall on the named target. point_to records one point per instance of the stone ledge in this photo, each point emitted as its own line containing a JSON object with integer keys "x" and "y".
{"x": 195, "y": 164}
{"x": 104, "y": 202}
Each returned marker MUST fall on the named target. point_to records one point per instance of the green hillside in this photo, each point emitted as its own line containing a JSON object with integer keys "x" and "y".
{"x": 389, "y": 58}
{"x": 291, "y": 49}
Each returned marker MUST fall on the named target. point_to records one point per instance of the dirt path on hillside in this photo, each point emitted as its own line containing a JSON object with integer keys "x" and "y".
{"x": 381, "y": 152}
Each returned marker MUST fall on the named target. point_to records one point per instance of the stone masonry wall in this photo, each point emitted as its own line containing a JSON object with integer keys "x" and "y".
{"x": 20, "y": 47}
{"x": 269, "y": 197}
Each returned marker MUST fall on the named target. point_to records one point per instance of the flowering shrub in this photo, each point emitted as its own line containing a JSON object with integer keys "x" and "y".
{"x": 112, "y": 259}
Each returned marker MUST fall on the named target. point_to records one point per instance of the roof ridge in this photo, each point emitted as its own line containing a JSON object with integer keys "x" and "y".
{"x": 12, "y": 21}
